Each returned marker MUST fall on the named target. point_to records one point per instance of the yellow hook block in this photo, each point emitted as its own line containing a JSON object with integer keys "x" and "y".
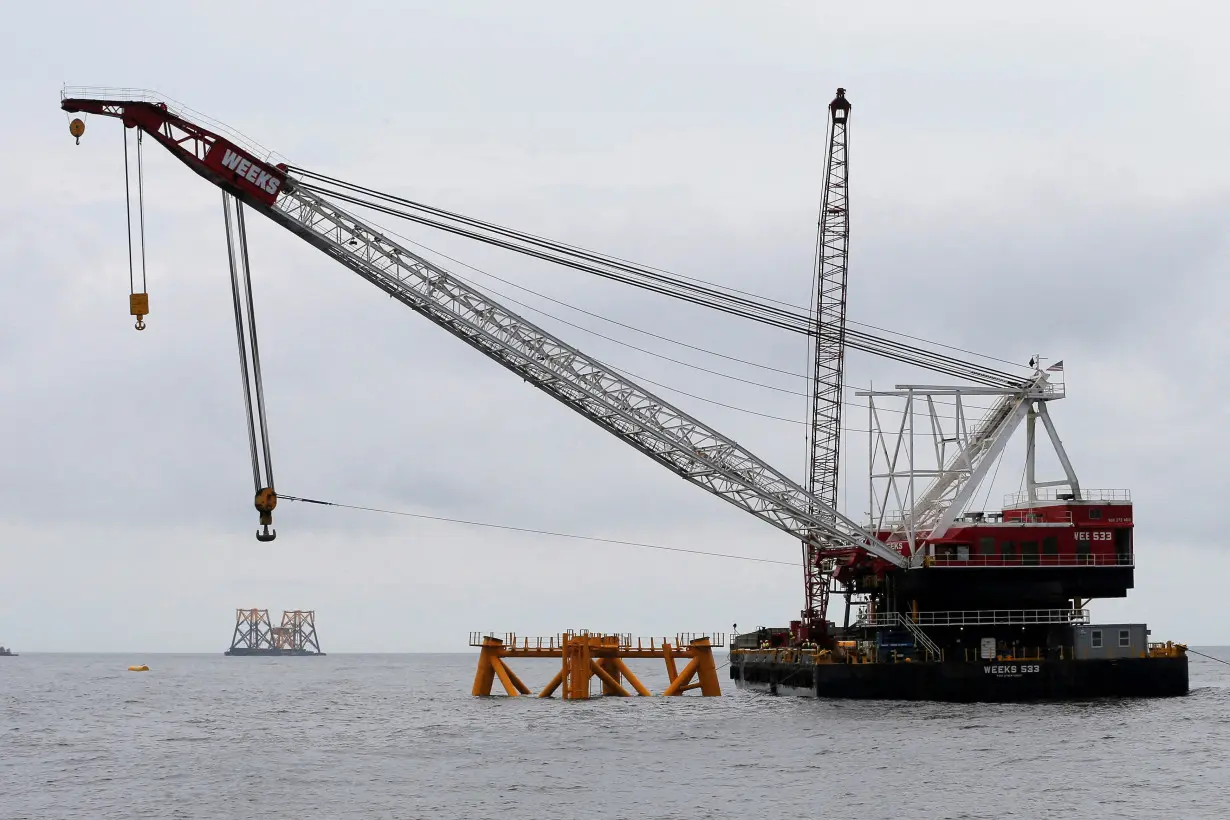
{"x": 77, "y": 128}
{"x": 138, "y": 305}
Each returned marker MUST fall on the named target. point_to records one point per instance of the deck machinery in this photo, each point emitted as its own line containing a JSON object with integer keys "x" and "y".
{"x": 939, "y": 603}
{"x": 992, "y": 605}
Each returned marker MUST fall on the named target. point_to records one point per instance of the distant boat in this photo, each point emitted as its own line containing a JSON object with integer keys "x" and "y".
{"x": 7, "y": 653}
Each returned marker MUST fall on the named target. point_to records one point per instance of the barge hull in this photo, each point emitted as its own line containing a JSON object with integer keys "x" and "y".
{"x": 998, "y": 681}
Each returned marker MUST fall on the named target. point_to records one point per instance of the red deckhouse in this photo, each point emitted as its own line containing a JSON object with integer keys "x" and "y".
{"x": 1054, "y": 531}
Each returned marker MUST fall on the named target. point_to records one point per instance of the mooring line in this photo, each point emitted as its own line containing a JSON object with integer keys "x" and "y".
{"x": 1210, "y": 657}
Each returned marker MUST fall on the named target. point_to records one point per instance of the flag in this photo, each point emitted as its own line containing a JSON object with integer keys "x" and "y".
{"x": 1057, "y": 367}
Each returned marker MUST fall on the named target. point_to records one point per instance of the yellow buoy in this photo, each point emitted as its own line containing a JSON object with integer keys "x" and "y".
{"x": 141, "y": 668}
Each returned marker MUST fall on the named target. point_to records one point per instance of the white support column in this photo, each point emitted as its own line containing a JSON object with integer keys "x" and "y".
{"x": 1031, "y": 480}
{"x": 1073, "y": 482}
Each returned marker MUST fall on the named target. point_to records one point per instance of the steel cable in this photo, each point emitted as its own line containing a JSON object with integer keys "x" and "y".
{"x": 551, "y": 533}
{"x": 619, "y": 270}
{"x": 243, "y": 348}
{"x": 132, "y": 288}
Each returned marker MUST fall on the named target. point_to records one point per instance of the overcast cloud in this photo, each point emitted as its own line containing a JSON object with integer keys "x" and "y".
{"x": 1051, "y": 182}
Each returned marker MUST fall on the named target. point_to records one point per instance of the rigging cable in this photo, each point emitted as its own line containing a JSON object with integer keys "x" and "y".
{"x": 795, "y": 322}
{"x": 536, "y": 532}
{"x": 256, "y": 356}
{"x": 1210, "y": 657}
{"x": 414, "y": 209}
{"x": 664, "y": 357}
{"x": 638, "y": 266}
{"x": 642, "y": 331}
{"x": 243, "y": 347}
{"x": 266, "y": 499}
{"x": 987, "y": 499}
{"x": 141, "y": 204}
{"x": 132, "y": 288}
{"x": 610, "y": 267}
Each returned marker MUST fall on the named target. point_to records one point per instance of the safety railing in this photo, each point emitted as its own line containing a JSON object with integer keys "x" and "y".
{"x": 920, "y": 638}
{"x": 1059, "y": 494}
{"x": 1018, "y": 519}
{"x": 512, "y": 640}
{"x": 1168, "y": 649}
{"x": 1078, "y": 560}
{"x": 978, "y": 617}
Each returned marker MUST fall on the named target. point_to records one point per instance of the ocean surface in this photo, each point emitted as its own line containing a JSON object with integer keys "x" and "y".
{"x": 399, "y": 736}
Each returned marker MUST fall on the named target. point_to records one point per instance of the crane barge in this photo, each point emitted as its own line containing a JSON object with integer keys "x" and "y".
{"x": 921, "y": 580}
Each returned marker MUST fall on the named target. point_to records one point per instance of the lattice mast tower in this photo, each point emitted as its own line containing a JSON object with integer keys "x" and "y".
{"x": 829, "y": 346}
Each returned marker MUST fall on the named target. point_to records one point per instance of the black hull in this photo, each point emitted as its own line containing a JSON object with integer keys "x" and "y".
{"x": 969, "y": 682}
{"x": 267, "y": 653}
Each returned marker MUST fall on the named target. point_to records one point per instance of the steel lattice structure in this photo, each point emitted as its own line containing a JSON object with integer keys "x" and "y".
{"x": 252, "y": 629}
{"x": 829, "y": 348}
{"x": 297, "y": 632}
{"x": 658, "y": 429}
{"x": 962, "y": 456}
{"x": 668, "y": 435}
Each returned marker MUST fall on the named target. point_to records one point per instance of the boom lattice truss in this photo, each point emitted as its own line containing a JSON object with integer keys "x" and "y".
{"x": 829, "y": 349}
{"x": 668, "y": 435}
{"x": 665, "y": 433}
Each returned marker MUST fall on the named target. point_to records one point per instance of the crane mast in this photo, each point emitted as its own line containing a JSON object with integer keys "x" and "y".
{"x": 824, "y": 434}
{"x": 668, "y": 435}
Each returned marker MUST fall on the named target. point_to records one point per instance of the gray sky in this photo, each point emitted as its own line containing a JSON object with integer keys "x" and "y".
{"x": 1051, "y": 183}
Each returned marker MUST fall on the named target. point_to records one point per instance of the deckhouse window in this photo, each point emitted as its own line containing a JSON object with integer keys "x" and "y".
{"x": 1095, "y": 514}
{"x": 1125, "y": 638}
{"x": 1029, "y": 552}
{"x": 1095, "y": 639}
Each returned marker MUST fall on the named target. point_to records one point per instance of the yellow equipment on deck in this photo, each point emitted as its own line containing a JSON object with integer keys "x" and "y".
{"x": 585, "y": 656}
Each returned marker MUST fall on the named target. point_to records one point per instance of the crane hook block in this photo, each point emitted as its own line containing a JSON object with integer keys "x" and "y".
{"x": 138, "y": 305}
{"x": 77, "y": 128}
{"x": 266, "y": 500}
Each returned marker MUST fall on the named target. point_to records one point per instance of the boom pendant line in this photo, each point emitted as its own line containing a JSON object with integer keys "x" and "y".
{"x": 250, "y": 365}
{"x": 735, "y": 303}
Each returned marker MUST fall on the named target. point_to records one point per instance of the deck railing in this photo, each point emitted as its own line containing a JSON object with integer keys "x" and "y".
{"x": 1053, "y": 493}
{"x": 979, "y": 617}
{"x": 1079, "y": 560}
{"x": 622, "y": 640}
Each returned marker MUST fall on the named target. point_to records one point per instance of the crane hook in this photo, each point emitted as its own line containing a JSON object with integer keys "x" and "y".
{"x": 138, "y": 305}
